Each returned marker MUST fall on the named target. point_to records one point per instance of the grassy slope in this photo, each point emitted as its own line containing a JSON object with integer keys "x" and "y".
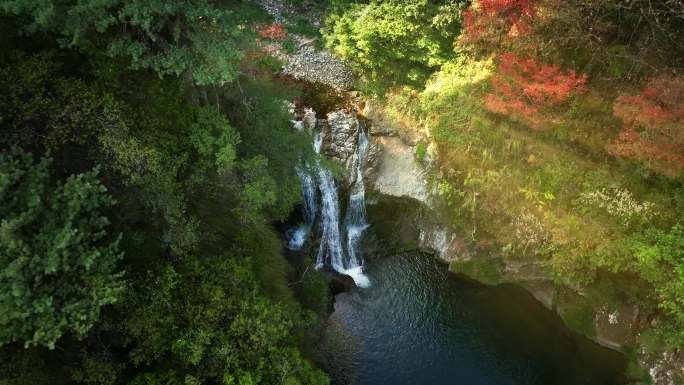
{"x": 517, "y": 190}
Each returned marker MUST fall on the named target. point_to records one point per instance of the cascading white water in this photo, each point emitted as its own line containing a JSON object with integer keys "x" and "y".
{"x": 331, "y": 251}
{"x": 355, "y": 219}
{"x": 318, "y": 142}
{"x": 298, "y": 236}
{"x": 309, "y": 195}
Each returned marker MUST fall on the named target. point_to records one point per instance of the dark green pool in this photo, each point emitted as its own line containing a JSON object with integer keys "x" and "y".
{"x": 419, "y": 325}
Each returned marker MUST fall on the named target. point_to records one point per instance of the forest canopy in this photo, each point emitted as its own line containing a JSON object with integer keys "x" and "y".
{"x": 139, "y": 157}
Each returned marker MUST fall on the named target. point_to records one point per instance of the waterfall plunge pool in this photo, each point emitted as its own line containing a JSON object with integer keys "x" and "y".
{"x": 418, "y": 324}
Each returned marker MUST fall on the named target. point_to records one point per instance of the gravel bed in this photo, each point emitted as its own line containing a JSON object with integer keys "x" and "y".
{"x": 308, "y": 63}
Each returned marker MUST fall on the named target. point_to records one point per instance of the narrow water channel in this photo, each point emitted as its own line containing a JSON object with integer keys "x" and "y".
{"x": 417, "y": 324}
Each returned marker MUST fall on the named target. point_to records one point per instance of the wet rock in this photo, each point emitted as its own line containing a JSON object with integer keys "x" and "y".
{"x": 340, "y": 132}
{"x": 309, "y": 120}
{"x": 340, "y": 283}
{"x": 441, "y": 240}
{"x": 615, "y": 326}
{"x": 382, "y": 130}
{"x": 298, "y": 125}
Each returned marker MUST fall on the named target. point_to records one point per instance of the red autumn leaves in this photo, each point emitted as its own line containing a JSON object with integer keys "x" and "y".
{"x": 494, "y": 18}
{"x": 272, "y": 35}
{"x": 275, "y": 31}
{"x": 653, "y": 120}
{"x": 530, "y": 91}
{"x": 524, "y": 88}
{"x": 653, "y": 125}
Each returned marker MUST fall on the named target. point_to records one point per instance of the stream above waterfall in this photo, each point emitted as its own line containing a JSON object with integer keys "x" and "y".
{"x": 418, "y": 324}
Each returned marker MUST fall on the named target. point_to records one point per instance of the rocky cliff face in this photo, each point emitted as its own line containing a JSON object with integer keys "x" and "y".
{"x": 398, "y": 174}
{"x": 339, "y": 141}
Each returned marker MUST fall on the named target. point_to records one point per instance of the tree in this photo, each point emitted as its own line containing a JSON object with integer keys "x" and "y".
{"x": 43, "y": 110}
{"x": 199, "y": 38}
{"x": 57, "y": 262}
{"x": 525, "y": 88}
{"x": 204, "y": 318}
{"x": 653, "y": 125}
{"x": 395, "y": 42}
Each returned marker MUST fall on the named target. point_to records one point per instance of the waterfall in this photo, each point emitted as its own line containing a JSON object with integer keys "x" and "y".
{"x": 298, "y": 236}
{"x": 355, "y": 220}
{"x": 331, "y": 252}
{"x": 318, "y": 142}
{"x": 309, "y": 195}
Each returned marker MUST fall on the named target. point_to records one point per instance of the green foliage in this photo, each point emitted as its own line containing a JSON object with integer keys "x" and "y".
{"x": 268, "y": 142}
{"x": 578, "y": 314}
{"x": 616, "y": 60}
{"x": 395, "y": 42}
{"x": 259, "y": 187}
{"x": 217, "y": 321}
{"x": 634, "y": 371}
{"x": 196, "y": 170}
{"x": 212, "y": 136}
{"x": 27, "y": 366}
{"x": 41, "y": 108}
{"x": 421, "y": 152}
{"x": 660, "y": 260}
{"x": 58, "y": 265}
{"x": 200, "y": 39}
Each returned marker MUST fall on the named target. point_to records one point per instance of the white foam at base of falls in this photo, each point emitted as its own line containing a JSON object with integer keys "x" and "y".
{"x": 356, "y": 273}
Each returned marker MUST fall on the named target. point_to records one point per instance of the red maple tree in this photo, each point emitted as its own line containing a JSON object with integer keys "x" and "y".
{"x": 524, "y": 88}
{"x": 490, "y": 19}
{"x": 653, "y": 125}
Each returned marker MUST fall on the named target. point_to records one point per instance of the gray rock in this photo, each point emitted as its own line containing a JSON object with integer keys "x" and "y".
{"x": 318, "y": 66}
{"x": 382, "y": 130}
{"x": 307, "y": 63}
{"x": 340, "y": 140}
{"x": 398, "y": 173}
